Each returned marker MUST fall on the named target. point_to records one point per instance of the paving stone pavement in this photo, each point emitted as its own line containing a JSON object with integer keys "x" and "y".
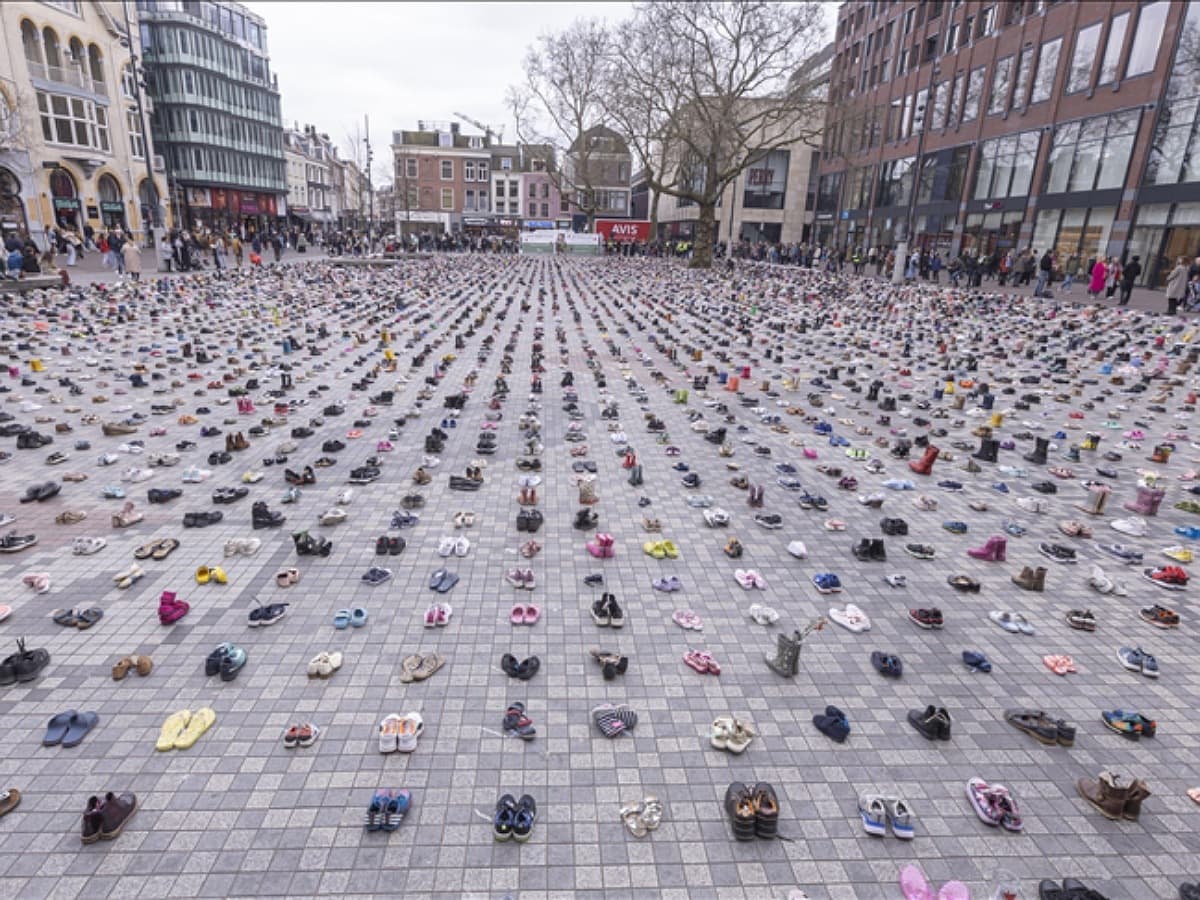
{"x": 240, "y": 815}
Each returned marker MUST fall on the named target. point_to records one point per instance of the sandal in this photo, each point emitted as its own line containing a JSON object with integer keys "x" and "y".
{"x": 127, "y": 516}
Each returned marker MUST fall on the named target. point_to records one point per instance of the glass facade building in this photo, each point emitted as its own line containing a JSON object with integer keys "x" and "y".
{"x": 216, "y": 119}
{"x": 1017, "y": 123}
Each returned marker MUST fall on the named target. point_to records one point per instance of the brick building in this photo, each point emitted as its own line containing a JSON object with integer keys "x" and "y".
{"x": 1030, "y": 123}
{"x": 442, "y": 178}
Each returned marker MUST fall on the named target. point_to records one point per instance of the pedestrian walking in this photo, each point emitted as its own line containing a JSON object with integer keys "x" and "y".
{"x": 1097, "y": 276}
{"x": 132, "y": 255}
{"x": 1177, "y": 285}
{"x": 1045, "y": 267}
{"x": 1112, "y": 276}
{"x": 1070, "y": 270}
{"x": 1129, "y": 277}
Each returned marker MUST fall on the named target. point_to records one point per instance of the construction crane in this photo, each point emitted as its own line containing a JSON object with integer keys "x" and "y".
{"x": 487, "y": 129}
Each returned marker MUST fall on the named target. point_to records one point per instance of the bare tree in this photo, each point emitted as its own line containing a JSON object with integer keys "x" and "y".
{"x": 704, "y": 90}
{"x": 560, "y": 106}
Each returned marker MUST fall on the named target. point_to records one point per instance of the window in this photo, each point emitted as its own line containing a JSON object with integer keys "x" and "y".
{"x": 858, "y": 190}
{"x": 909, "y": 19}
{"x": 931, "y": 47}
{"x": 545, "y": 209}
{"x": 919, "y": 110}
{"x": 533, "y": 209}
{"x": 1086, "y": 43}
{"x": 986, "y": 22}
{"x": 1005, "y": 167}
{"x": 1175, "y": 150}
{"x": 1092, "y": 154}
{"x": 1112, "y": 50}
{"x": 1024, "y": 67}
{"x": 943, "y": 175}
{"x": 895, "y": 182}
{"x": 447, "y": 170}
{"x": 1043, "y": 81}
{"x": 506, "y": 163}
{"x": 968, "y": 25}
{"x": 410, "y": 167}
{"x": 198, "y": 158}
{"x": 72, "y": 120}
{"x": 1147, "y": 38}
{"x": 484, "y": 175}
{"x": 1001, "y": 81}
{"x": 564, "y": 204}
{"x": 951, "y": 38}
{"x": 468, "y": 170}
{"x": 974, "y": 93}
{"x": 500, "y": 187}
{"x": 766, "y": 181}
{"x": 447, "y": 198}
{"x": 137, "y": 141}
{"x": 954, "y": 104}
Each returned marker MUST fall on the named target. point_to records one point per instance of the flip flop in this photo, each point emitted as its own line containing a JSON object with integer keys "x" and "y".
{"x": 89, "y": 617}
{"x": 81, "y": 724}
{"x": 202, "y": 719}
{"x": 165, "y": 548}
{"x": 449, "y": 580}
{"x": 58, "y": 727}
{"x": 171, "y": 728}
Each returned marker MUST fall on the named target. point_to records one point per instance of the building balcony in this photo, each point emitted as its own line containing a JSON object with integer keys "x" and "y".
{"x": 69, "y": 76}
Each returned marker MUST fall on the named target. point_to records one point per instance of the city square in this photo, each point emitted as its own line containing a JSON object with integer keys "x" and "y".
{"x": 770, "y": 471}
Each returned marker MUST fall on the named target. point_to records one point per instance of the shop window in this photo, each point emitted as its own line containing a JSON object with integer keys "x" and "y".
{"x": 895, "y": 182}
{"x": 1112, "y": 49}
{"x": 1084, "y": 57}
{"x": 1047, "y": 68}
{"x": 1147, "y": 38}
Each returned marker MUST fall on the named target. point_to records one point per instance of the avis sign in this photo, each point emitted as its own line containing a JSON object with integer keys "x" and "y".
{"x": 623, "y": 230}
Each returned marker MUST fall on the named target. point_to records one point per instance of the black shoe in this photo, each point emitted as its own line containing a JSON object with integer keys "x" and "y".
{"x": 163, "y": 495}
{"x": 927, "y": 722}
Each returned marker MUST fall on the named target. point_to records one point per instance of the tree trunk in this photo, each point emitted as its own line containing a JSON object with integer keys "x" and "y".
{"x": 654, "y": 198}
{"x": 702, "y": 248}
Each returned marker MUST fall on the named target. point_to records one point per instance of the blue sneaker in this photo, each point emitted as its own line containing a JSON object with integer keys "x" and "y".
{"x": 1001, "y": 487}
{"x": 375, "y": 811}
{"x": 396, "y": 809}
{"x": 827, "y": 583}
{"x": 1131, "y": 659}
{"x": 1191, "y": 532}
{"x": 976, "y": 662}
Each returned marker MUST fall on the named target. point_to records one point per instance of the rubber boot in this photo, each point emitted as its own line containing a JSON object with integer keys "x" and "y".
{"x": 1162, "y": 454}
{"x": 1091, "y": 441}
{"x": 1037, "y": 456}
{"x": 786, "y": 661}
{"x": 1097, "y": 497}
{"x": 988, "y": 449}
{"x": 924, "y": 466}
{"x": 1106, "y": 793}
{"x": 1147, "y": 501}
{"x": 635, "y": 476}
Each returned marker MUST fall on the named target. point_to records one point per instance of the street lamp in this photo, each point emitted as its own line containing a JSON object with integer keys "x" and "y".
{"x": 155, "y": 222}
{"x": 902, "y": 245}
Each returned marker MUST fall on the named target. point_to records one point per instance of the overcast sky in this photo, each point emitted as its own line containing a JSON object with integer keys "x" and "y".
{"x": 400, "y": 62}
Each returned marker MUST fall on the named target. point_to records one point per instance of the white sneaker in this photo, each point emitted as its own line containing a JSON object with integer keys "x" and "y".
{"x": 851, "y": 618}
{"x": 797, "y": 549}
{"x": 446, "y": 546}
{"x": 1135, "y": 526}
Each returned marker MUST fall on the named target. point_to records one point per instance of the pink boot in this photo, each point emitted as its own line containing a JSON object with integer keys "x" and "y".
{"x": 992, "y": 551}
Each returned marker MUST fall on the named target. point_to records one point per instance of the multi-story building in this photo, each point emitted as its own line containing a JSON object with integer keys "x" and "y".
{"x": 544, "y": 205}
{"x": 314, "y": 192}
{"x": 442, "y": 177}
{"x": 596, "y": 175}
{"x": 216, "y": 110}
{"x": 73, "y": 149}
{"x": 999, "y": 125}
{"x": 506, "y": 189}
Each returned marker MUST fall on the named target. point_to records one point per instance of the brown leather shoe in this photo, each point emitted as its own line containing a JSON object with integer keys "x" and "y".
{"x": 1138, "y": 792}
{"x": 114, "y": 813}
{"x": 143, "y": 664}
{"x": 92, "y": 821}
{"x": 1105, "y": 793}
{"x": 122, "y": 667}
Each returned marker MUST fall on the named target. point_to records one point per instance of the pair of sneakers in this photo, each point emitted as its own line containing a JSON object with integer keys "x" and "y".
{"x": 878, "y": 812}
{"x": 387, "y": 810}
{"x": 514, "y": 818}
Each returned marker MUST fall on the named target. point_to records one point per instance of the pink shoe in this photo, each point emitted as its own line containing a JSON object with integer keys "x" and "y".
{"x": 517, "y": 615}
{"x": 384, "y": 447}
{"x": 594, "y": 548}
{"x": 810, "y": 453}
{"x": 914, "y": 884}
{"x": 532, "y": 614}
{"x": 431, "y": 617}
{"x": 172, "y": 611}
{"x": 693, "y": 659}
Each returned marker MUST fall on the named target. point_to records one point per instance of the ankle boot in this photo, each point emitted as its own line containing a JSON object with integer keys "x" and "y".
{"x": 988, "y": 450}
{"x": 924, "y": 466}
{"x": 262, "y": 517}
{"x": 993, "y": 550}
{"x": 1031, "y": 580}
{"x": 1138, "y": 791}
{"x": 1097, "y": 498}
{"x": 877, "y": 552}
{"x": 1037, "y": 456}
{"x": 862, "y": 550}
{"x": 786, "y": 661}
{"x": 973, "y": 467}
{"x": 1106, "y": 793}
